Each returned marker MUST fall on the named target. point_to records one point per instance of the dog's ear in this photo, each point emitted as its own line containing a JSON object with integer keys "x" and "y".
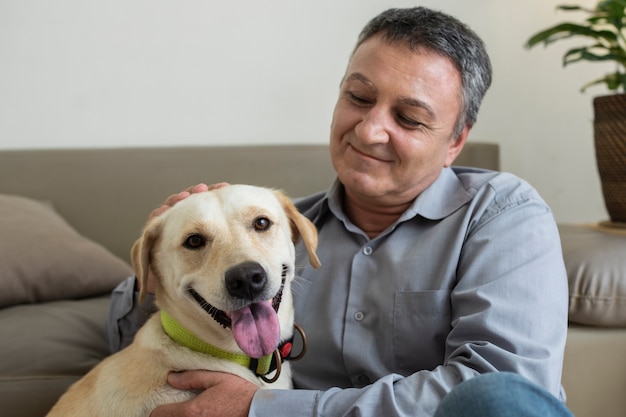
{"x": 140, "y": 255}
{"x": 301, "y": 227}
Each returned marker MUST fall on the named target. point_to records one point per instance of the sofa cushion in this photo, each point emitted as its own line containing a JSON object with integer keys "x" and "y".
{"x": 50, "y": 346}
{"x": 595, "y": 259}
{"x": 43, "y": 258}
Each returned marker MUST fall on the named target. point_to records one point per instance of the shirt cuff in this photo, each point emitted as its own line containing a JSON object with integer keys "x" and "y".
{"x": 273, "y": 402}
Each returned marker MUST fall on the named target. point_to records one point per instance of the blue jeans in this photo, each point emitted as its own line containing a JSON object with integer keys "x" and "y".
{"x": 500, "y": 394}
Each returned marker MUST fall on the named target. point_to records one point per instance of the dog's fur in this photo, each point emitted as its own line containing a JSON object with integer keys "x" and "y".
{"x": 231, "y": 225}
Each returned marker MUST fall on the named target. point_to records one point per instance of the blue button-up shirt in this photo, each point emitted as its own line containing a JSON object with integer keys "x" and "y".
{"x": 469, "y": 280}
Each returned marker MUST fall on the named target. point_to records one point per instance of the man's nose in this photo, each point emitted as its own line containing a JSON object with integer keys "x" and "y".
{"x": 374, "y": 127}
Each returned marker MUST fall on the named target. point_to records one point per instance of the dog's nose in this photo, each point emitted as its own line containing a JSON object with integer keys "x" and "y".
{"x": 246, "y": 280}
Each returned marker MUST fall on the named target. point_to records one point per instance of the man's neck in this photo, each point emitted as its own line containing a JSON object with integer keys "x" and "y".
{"x": 373, "y": 219}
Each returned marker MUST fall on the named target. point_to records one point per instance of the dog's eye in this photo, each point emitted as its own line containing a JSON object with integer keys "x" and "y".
{"x": 194, "y": 241}
{"x": 261, "y": 224}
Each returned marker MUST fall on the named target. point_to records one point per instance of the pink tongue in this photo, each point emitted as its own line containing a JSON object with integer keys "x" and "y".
{"x": 256, "y": 329}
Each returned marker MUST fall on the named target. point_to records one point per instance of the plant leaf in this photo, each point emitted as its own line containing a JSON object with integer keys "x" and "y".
{"x": 568, "y": 30}
{"x": 605, "y": 24}
{"x": 613, "y": 82}
{"x": 568, "y": 7}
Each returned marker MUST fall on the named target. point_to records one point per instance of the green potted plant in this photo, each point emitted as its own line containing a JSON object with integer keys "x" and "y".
{"x": 605, "y": 30}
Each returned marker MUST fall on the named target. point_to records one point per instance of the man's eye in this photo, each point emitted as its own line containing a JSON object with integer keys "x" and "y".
{"x": 408, "y": 122}
{"x": 261, "y": 224}
{"x": 359, "y": 100}
{"x": 194, "y": 241}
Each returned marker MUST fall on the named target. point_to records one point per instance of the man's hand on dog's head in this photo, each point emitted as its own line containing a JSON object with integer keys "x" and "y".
{"x": 175, "y": 198}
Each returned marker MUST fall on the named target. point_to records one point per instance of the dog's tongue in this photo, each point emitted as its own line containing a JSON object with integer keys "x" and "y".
{"x": 256, "y": 329}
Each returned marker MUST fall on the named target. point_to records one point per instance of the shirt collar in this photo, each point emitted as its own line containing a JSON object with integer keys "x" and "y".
{"x": 443, "y": 197}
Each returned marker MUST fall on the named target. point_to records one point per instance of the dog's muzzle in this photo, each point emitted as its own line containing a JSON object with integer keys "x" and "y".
{"x": 220, "y": 316}
{"x": 247, "y": 281}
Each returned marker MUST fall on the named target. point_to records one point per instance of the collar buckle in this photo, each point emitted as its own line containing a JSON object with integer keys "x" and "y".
{"x": 282, "y": 353}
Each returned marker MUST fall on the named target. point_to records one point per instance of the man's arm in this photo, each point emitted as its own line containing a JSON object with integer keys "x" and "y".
{"x": 126, "y": 314}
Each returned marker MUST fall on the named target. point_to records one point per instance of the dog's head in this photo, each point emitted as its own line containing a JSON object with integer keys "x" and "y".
{"x": 227, "y": 256}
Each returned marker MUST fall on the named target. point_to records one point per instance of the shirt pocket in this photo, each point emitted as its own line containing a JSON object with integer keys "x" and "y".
{"x": 421, "y": 324}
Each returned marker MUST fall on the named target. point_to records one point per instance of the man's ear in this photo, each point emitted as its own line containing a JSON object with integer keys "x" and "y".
{"x": 301, "y": 227}
{"x": 456, "y": 146}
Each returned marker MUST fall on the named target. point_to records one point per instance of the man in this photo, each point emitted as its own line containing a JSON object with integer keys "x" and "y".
{"x": 431, "y": 275}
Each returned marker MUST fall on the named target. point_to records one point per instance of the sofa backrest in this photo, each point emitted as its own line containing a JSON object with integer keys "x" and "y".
{"x": 107, "y": 194}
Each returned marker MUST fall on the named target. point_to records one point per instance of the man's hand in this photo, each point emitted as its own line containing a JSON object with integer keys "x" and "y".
{"x": 223, "y": 395}
{"x": 175, "y": 198}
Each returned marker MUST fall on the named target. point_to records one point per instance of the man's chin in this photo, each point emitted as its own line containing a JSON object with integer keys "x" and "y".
{"x": 365, "y": 184}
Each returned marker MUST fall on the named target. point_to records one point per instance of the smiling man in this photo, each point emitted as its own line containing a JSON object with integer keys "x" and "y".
{"x": 439, "y": 285}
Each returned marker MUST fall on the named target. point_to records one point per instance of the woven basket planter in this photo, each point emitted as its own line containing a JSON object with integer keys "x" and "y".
{"x": 610, "y": 144}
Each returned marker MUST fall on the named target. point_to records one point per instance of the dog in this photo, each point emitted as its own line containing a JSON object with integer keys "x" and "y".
{"x": 223, "y": 262}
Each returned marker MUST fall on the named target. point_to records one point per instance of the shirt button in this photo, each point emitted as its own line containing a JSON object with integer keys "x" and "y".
{"x": 363, "y": 380}
{"x": 367, "y": 250}
{"x": 359, "y": 315}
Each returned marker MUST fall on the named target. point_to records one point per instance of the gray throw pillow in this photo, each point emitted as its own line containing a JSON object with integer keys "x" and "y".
{"x": 42, "y": 258}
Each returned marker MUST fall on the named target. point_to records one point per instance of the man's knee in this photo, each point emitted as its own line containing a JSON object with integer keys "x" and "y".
{"x": 500, "y": 394}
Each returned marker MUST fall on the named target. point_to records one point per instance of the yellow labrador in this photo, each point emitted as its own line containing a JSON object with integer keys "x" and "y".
{"x": 223, "y": 262}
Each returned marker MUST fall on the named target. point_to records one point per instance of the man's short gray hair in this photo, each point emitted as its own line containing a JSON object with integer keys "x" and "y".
{"x": 420, "y": 27}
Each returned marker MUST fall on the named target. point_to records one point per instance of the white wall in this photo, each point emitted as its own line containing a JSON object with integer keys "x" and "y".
{"x": 87, "y": 73}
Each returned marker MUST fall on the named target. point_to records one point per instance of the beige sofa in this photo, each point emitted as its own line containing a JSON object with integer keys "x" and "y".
{"x": 55, "y": 279}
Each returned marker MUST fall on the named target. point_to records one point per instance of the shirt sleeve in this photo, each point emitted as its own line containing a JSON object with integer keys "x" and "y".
{"x": 392, "y": 395}
{"x": 126, "y": 314}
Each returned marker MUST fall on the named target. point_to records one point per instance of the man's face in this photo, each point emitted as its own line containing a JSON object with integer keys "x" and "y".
{"x": 393, "y": 123}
